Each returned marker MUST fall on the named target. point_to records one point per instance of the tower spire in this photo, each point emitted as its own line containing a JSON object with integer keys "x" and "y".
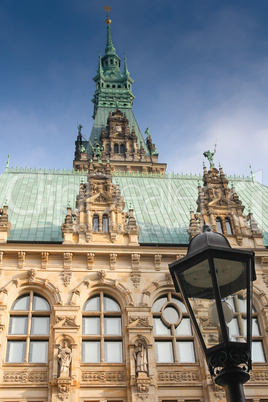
{"x": 109, "y": 41}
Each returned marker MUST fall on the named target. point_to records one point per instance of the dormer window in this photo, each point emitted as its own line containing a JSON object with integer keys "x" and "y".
{"x": 219, "y": 225}
{"x": 105, "y": 223}
{"x": 228, "y": 226}
{"x": 122, "y": 149}
{"x": 95, "y": 223}
{"x": 116, "y": 150}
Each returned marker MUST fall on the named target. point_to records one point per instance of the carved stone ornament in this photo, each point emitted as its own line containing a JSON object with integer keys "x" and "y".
{"x": 113, "y": 258}
{"x": 219, "y": 392}
{"x": 1, "y": 257}
{"x": 67, "y": 260}
{"x": 265, "y": 279}
{"x": 90, "y": 260}
{"x": 66, "y": 278}
{"x": 169, "y": 278}
{"x": 31, "y": 275}
{"x": 25, "y": 377}
{"x": 157, "y": 261}
{"x": 103, "y": 376}
{"x": 101, "y": 275}
{"x": 21, "y": 259}
{"x": 143, "y": 386}
{"x": 44, "y": 259}
{"x": 179, "y": 256}
{"x": 63, "y": 389}
{"x": 178, "y": 376}
{"x": 135, "y": 260}
{"x": 139, "y": 321}
{"x": 136, "y": 278}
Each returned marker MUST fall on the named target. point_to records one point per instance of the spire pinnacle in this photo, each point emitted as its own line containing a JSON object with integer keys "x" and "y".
{"x": 126, "y": 72}
{"x": 109, "y": 42}
{"x": 108, "y": 20}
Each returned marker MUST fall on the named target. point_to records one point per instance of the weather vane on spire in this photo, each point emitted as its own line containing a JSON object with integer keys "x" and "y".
{"x": 108, "y": 20}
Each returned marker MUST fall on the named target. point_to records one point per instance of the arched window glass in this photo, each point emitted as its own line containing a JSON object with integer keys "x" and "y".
{"x": 105, "y": 223}
{"x": 228, "y": 226}
{"x": 122, "y": 149}
{"x": 102, "y": 330}
{"x": 219, "y": 225}
{"x": 95, "y": 223}
{"x": 238, "y": 330}
{"x": 116, "y": 149}
{"x": 28, "y": 332}
{"x": 174, "y": 342}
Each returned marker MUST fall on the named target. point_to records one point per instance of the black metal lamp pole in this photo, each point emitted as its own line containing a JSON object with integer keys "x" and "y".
{"x": 217, "y": 274}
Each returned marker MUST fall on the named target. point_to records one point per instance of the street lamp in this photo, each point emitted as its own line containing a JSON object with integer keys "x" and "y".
{"x": 216, "y": 273}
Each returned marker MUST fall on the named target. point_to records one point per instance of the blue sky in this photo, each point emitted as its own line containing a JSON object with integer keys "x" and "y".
{"x": 199, "y": 66}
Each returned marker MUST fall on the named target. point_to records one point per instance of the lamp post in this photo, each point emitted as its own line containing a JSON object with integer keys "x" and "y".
{"x": 215, "y": 273}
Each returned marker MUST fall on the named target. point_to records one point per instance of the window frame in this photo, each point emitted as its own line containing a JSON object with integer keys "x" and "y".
{"x": 173, "y": 337}
{"x": 103, "y": 338}
{"x": 28, "y": 338}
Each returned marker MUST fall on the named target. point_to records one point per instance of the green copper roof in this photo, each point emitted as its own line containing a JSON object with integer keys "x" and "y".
{"x": 37, "y": 203}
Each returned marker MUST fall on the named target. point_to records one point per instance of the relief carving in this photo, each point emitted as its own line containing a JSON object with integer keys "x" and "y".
{"x": 21, "y": 259}
{"x": 31, "y": 275}
{"x": 66, "y": 278}
{"x": 103, "y": 376}
{"x": 113, "y": 258}
{"x": 67, "y": 260}
{"x": 157, "y": 261}
{"x": 44, "y": 259}
{"x": 135, "y": 260}
{"x": 90, "y": 260}
{"x": 178, "y": 376}
{"x": 136, "y": 278}
{"x": 25, "y": 377}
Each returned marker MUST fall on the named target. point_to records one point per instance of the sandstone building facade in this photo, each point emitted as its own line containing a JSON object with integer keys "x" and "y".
{"x": 88, "y": 311}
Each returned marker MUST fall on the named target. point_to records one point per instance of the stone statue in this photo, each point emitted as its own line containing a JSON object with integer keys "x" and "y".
{"x": 140, "y": 356}
{"x": 64, "y": 359}
{"x": 210, "y": 155}
{"x": 97, "y": 150}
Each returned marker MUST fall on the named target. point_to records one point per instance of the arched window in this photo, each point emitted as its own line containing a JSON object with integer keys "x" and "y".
{"x": 105, "y": 223}
{"x": 122, "y": 149}
{"x": 237, "y": 327}
{"x": 174, "y": 342}
{"x": 95, "y": 223}
{"x": 219, "y": 225}
{"x": 228, "y": 226}
{"x": 116, "y": 149}
{"x": 28, "y": 332}
{"x": 102, "y": 330}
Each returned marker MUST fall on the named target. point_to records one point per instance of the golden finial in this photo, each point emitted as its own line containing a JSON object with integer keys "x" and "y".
{"x": 108, "y": 20}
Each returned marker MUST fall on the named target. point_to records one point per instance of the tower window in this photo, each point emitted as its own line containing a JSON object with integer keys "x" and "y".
{"x": 174, "y": 341}
{"x": 228, "y": 226}
{"x": 219, "y": 225}
{"x": 105, "y": 223}
{"x": 119, "y": 86}
{"x": 122, "y": 149}
{"x": 102, "y": 330}
{"x": 29, "y": 326}
{"x": 111, "y": 61}
{"x": 113, "y": 86}
{"x": 116, "y": 149}
{"x": 108, "y": 86}
{"x": 95, "y": 223}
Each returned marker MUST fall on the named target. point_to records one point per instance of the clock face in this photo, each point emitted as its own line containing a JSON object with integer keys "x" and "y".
{"x": 118, "y": 128}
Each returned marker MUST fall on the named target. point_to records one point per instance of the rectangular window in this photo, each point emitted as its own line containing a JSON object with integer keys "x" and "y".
{"x": 38, "y": 352}
{"x": 18, "y": 325}
{"x": 91, "y": 352}
{"x": 16, "y": 351}
{"x": 164, "y": 352}
{"x": 113, "y": 352}
{"x": 257, "y": 352}
{"x": 91, "y": 325}
{"x": 40, "y": 326}
{"x": 160, "y": 328}
{"x": 186, "y": 352}
{"x": 112, "y": 326}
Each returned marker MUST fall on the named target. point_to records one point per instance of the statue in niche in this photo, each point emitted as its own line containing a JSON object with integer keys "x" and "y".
{"x": 64, "y": 359}
{"x": 140, "y": 356}
{"x": 208, "y": 154}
